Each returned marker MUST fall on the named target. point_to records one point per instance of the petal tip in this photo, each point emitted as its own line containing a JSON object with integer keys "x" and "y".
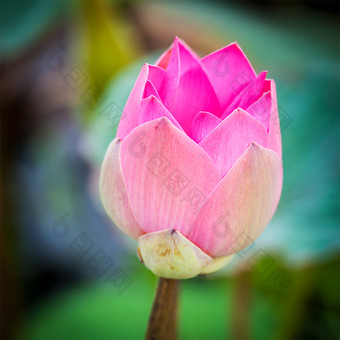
{"x": 240, "y": 113}
{"x": 162, "y": 122}
{"x": 151, "y": 98}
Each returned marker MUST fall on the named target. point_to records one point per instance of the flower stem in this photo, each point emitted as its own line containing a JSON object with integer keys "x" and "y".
{"x": 241, "y": 307}
{"x": 163, "y": 317}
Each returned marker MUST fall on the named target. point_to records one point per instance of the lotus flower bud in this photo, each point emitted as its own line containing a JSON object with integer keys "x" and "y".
{"x": 195, "y": 171}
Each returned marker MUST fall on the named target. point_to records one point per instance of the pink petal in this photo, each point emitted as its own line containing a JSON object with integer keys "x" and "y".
{"x": 167, "y": 175}
{"x": 261, "y": 109}
{"x": 240, "y": 207}
{"x": 150, "y": 90}
{"x": 249, "y": 95}
{"x": 232, "y": 137}
{"x": 113, "y": 192}
{"x": 156, "y": 76}
{"x": 129, "y": 117}
{"x": 202, "y": 125}
{"x": 182, "y": 58}
{"x": 164, "y": 59}
{"x": 132, "y": 106}
{"x": 274, "y": 138}
{"x": 151, "y": 108}
{"x": 265, "y": 110}
{"x": 186, "y": 88}
{"x": 229, "y": 71}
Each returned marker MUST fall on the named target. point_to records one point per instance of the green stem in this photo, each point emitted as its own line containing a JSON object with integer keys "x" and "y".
{"x": 241, "y": 307}
{"x": 163, "y": 318}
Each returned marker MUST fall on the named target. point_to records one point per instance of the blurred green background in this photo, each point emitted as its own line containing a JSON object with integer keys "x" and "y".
{"x": 66, "y": 70}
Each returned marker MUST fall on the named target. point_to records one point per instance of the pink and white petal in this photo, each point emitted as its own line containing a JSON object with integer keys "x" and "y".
{"x": 261, "y": 109}
{"x": 150, "y": 90}
{"x": 274, "y": 138}
{"x": 186, "y": 88}
{"x": 151, "y": 108}
{"x": 230, "y": 139}
{"x": 202, "y": 125}
{"x": 240, "y": 207}
{"x": 229, "y": 72}
{"x": 249, "y": 95}
{"x": 113, "y": 192}
{"x": 168, "y": 176}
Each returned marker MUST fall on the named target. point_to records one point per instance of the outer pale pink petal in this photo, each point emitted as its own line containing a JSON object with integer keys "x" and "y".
{"x": 274, "y": 139}
{"x": 202, "y": 125}
{"x": 232, "y": 137}
{"x": 151, "y": 108}
{"x": 261, "y": 109}
{"x": 113, "y": 192}
{"x": 249, "y": 95}
{"x": 167, "y": 175}
{"x": 129, "y": 116}
{"x": 229, "y": 71}
{"x": 186, "y": 88}
{"x": 240, "y": 207}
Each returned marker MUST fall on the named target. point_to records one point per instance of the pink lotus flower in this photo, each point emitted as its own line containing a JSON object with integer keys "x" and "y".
{"x": 195, "y": 171}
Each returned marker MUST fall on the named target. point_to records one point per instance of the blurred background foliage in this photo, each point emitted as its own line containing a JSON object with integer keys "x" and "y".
{"x": 67, "y": 68}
